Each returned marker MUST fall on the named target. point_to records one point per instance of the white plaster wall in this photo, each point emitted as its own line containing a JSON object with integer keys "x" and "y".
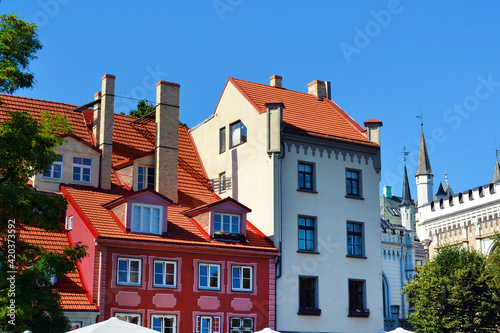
{"x": 70, "y": 149}
{"x": 248, "y": 165}
{"x": 333, "y": 269}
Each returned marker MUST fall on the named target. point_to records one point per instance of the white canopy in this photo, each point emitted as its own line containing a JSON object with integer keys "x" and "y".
{"x": 267, "y": 330}
{"x": 113, "y": 325}
{"x": 400, "y": 330}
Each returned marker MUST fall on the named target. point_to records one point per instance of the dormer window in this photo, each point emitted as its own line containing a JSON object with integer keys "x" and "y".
{"x": 238, "y": 134}
{"x": 55, "y": 170}
{"x": 82, "y": 169}
{"x": 147, "y": 218}
{"x": 146, "y": 177}
{"x": 228, "y": 223}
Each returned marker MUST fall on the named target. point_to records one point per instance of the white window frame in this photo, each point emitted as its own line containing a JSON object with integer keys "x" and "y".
{"x": 81, "y": 167}
{"x": 50, "y": 171}
{"x": 129, "y": 261}
{"x": 128, "y": 315}
{"x": 241, "y": 328}
{"x": 162, "y": 326}
{"x": 230, "y": 223}
{"x": 241, "y": 279}
{"x": 69, "y": 223}
{"x": 164, "y": 273}
{"x": 145, "y": 177}
{"x": 238, "y": 134}
{"x": 208, "y": 287}
{"x": 211, "y": 322}
{"x": 142, "y": 223}
{"x": 222, "y": 182}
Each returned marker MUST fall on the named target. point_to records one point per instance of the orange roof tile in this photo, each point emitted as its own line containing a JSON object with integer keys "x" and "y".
{"x": 305, "y": 113}
{"x": 73, "y": 295}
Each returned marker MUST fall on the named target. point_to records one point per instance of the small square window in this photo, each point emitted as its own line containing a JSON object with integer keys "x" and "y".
{"x": 352, "y": 183}
{"x": 128, "y": 271}
{"x": 147, "y": 218}
{"x": 242, "y": 278}
{"x": 163, "y": 323}
{"x": 82, "y": 169}
{"x": 227, "y": 223}
{"x": 222, "y": 140}
{"x": 55, "y": 170}
{"x": 306, "y": 176}
{"x": 165, "y": 274}
{"x": 308, "y": 296}
{"x": 145, "y": 177}
{"x": 209, "y": 276}
{"x": 307, "y": 234}
{"x": 241, "y": 325}
{"x": 354, "y": 239}
{"x": 238, "y": 134}
{"x": 133, "y": 318}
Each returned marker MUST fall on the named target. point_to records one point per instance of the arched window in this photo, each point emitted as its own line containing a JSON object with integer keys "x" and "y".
{"x": 386, "y": 297}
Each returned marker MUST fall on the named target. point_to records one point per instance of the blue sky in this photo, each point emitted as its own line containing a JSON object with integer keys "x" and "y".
{"x": 388, "y": 60}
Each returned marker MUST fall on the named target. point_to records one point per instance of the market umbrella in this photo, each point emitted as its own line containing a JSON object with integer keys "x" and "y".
{"x": 400, "y": 330}
{"x": 113, "y": 325}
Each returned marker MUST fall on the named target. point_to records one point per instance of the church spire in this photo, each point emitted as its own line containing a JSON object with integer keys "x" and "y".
{"x": 406, "y": 197}
{"x": 496, "y": 173}
{"x": 424, "y": 165}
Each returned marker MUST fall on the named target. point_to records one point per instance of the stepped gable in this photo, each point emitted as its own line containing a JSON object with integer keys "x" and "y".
{"x": 305, "y": 113}
{"x": 73, "y": 293}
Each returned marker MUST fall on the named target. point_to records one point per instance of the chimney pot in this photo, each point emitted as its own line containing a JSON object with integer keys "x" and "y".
{"x": 317, "y": 88}
{"x": 276, "y": 81}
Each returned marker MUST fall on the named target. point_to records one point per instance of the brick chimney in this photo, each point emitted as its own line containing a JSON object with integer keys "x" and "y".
{"x": 317, "y": 88}
{"x": 97, "y": 118}
{"x": 275, "y": 81}
{"x": 167, "y": 139}
{"x": 106, "y": 128}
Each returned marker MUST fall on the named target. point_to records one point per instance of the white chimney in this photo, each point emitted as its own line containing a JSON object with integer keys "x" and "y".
{"x": 97, "y": 118}
{"x": 317, "y": 88}
{"x": 106, "y": 129}
{"x": 167, "y": 139}
{"x": 275, "y": 81}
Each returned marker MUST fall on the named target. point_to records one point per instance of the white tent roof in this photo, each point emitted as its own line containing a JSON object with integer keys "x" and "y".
{"x": 113, "y": 325}
{"x": 400, "y": 330}
{"x": 267, "y": 330}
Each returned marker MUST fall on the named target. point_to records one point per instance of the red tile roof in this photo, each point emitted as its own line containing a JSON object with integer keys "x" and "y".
{"x": 305, "y": 113}
{"x": 73, "y": 295}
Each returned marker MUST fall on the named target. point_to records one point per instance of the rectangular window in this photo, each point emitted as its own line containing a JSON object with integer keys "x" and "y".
{"x": 209, "y": 276}
{"x": 208, "y": 324}
{"x": 352, "y": 183}
{"x": 307, "y": 234}
{"x": 241, "y": 325}
{"x": 242, "y": 278}
{"x": 147, "y": 218}
{"x": 222, "y": 182}
{"x": 354, "y": 239}
{"x": 308, "y": 302}
{"x": 133, "y": 318}
{"x": 165, "y": 274}
{"x": 163, "y": 323}
{"x": 222, "y": 140}
{"x": 357, "y": 302}
{"x": 146, "y": 177}
{"x": 55, "y": 170}
{"x": 238, "y": 134}
{"x": 129, "y": 271}
{"x": 69, "y": 223}
{"x": 82, "y": 169}
{"x": 306, "y": 176}
{"x": 227, "y": 223}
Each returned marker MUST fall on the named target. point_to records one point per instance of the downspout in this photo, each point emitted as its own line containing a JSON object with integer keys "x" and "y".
{"x": 403, "y": 310}
{"x": 280, "y": 208}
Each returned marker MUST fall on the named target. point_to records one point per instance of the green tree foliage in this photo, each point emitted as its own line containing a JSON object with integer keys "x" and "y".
{"x": 18, "y": 45}
{"x": 453, "y": 293}
{"x": 143, "y": 108}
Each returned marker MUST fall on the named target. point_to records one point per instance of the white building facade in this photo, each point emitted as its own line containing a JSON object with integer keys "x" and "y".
{"x": 311, "y": 175}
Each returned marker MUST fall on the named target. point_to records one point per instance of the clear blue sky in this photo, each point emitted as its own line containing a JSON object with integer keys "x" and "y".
{"x": 386, "y": 60}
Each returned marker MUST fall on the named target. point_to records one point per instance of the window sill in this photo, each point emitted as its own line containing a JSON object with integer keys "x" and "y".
{"x": 309, "y": 312}
{"x": 242, "y": 290}
{"x": 355, "y": 256}
{"x": 306, "y": 190}
{"x": 230, "y": 238}
{"x": 354, "y": 197}
{"x": 163, "y": 286}
{"x": 308, "y": 252}
{"x": 365, "y": 314}
{"x": 124, "y": 284}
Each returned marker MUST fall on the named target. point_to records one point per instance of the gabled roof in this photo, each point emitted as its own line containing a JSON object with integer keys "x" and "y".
{"x": 304, "y": 113}
{"x": 73, "y": 293}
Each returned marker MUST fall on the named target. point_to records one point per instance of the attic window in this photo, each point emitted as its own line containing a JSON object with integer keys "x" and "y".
{"x": 146, "y": 177}
{"x": 227, "y": 223}
{"x": 238, "y": 134}
{"x": 147, "y": 218}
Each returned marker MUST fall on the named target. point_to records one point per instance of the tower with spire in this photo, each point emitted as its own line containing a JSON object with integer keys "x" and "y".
{"x": 407, "y": 208}
{"x": 424, "y": 174}
{"x": 496, "y": 172}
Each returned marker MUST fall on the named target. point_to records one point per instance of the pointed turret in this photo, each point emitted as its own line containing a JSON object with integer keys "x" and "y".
{"x": 424, "y": 174}
{"x": 496, "y": 173}
{"x": 407, "y": 207}
{"x": 406, "y": 197}
{"x": 440, "y": 194}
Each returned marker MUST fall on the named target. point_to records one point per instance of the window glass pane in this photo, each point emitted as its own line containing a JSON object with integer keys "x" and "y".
{"x": 225, "y": 223}
{"x": 77, "y": 160}
{"x": 86, "y": 161}
{"x": 235, "y": 224}
{"x": 76, "y": 173}
{"x": 247, "y": 322}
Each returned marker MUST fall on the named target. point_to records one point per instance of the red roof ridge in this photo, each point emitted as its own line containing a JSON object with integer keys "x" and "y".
{"x": 36, "y": 99}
